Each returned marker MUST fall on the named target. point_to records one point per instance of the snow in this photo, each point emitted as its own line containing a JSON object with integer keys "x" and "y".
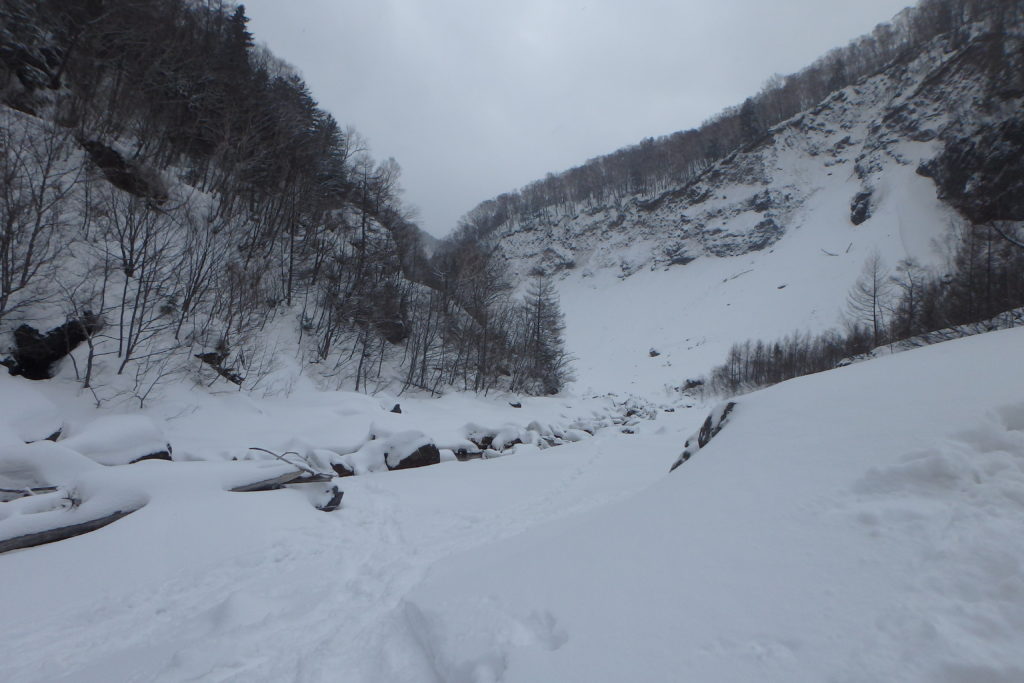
{"x": 40, "y": 464}
{"x": 27, "y": 415}
{"x": 692, "y": 314}
{"x": 855, "y": 525}
{"x": 117, "y": 439}
{"x": 870, "y": 536}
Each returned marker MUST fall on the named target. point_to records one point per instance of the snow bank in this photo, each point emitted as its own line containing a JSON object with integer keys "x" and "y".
{"x": 41, "y": 464}
{"x": 119, "y": 439}
{"x": 27, "y": 414}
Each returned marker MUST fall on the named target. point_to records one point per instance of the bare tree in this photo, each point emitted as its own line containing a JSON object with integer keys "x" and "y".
{"x": 37, "y": 182}
{"x": 869, "y": 302}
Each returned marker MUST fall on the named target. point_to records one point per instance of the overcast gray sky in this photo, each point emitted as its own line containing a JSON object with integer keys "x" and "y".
{"x": 478, "y": 97}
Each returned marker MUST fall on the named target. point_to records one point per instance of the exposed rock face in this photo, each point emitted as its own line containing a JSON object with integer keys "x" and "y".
{"x": 983, "y": 176}
{"x": 951, "y": 110}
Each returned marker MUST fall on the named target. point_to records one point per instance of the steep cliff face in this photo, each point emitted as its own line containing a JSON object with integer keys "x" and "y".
{"x": 834, "y": 164}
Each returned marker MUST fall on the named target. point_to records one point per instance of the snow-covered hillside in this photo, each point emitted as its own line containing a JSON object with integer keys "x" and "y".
{"x": 857, "y": 525}
{"x": 771, "y": 239}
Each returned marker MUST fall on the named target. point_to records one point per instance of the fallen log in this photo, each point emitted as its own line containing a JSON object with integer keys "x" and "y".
{"x": 13, "y": 494}
{"x": 61, "y": 533}
{"x": 272, "y": 483}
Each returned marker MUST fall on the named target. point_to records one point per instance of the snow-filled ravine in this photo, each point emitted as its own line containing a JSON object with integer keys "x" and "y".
{"x": 858, "y": 525}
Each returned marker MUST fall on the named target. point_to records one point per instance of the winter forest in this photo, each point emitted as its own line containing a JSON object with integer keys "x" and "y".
{"x": 739, "y": 402}
{"x": 176, "y": 206}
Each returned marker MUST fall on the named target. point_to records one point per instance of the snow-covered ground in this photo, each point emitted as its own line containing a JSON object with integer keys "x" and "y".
{"x": 692, "y": 314}
{"x": 857, "y": 525}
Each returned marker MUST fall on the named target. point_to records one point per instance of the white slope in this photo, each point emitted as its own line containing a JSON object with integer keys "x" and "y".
{"x": 692, "y": 314}
{"x": 858, "y": 525}
{"x": 769, "y": 228}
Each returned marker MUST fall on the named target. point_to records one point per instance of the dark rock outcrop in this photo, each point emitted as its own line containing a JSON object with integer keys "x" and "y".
{"x": 123, "y": 174}
{"x": 159, "y": 455}
{"x": 860, "y": 207}
{"x": 427, "y": 454}
{"x": 393, "y": 331}
{"x": 34, "y": 354}
{"x": 341, "y": 469}
{"x": 215, "y": 359}
{"x": 982, "y": 176}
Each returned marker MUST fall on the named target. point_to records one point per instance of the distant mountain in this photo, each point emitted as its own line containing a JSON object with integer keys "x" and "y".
{"x": 770, "y": 238}
{"x": 836, "y": 162}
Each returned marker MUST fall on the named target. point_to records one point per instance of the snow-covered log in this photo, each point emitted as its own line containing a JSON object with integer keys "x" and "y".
{"x": 61, "y": 533}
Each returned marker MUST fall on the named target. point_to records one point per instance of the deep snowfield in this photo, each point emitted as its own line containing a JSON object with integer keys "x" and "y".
{"x": 692, "y": 314}
{"x": 857, "y": 525}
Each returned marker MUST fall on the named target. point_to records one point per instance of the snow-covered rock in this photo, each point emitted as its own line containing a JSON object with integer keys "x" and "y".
{"x": 119, "y": 440}
{"x": 40, "y": 465}
{"x": 26, "y": 415}
{"x": 410, "y": 449}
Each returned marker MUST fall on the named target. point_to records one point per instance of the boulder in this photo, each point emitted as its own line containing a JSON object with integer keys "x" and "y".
{"x": 27, "y": 414}
{"x": 860, "y": 207}
{"x": 341, "y": 469}
{"x": 35, "y": 353}
{"x": 119, "y": 440}
{"x": 406, "y": 450}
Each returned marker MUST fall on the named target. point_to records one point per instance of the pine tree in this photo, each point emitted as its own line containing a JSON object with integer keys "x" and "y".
{"x": 546, "y": 365}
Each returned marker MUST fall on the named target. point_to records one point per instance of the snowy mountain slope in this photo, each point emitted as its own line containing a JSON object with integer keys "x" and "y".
{"x": 765, "y": 243}
{"x": 858, "y": 140}
{"x": 692, "y": 314}
{"x": 868, "y": 536}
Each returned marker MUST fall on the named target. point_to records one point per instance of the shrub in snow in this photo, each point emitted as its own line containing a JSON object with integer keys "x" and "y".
{"x": 712, "y": 425}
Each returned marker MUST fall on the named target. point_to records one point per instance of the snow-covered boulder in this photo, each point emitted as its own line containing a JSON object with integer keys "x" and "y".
{"x": 40, "y": 465}
{"x": 27, "y": 415}
{"x": 120, "y": 440}
{"x": 410, "y": 449}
